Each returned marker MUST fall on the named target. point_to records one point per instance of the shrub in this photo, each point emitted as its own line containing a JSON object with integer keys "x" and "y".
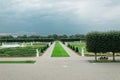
{"x": 73, "y": 48}
{"x": 77, "y": 50}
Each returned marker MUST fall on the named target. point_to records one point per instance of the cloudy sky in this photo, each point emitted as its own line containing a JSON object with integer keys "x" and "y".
{"x": 59, "y": 16}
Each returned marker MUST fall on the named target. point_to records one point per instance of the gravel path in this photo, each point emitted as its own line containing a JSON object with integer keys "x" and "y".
{"x": 47, "y": 54}
{"x": 70, "y": 68}
{"x": 70, "y": 52}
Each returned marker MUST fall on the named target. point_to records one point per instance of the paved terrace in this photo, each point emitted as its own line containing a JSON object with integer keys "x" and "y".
{"x": 70, "y": 68}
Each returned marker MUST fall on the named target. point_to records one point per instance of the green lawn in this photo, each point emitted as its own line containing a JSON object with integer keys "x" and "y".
{"x": 80, "y": 45}
{"x": 28, "y": 51}
{"x": 17, "y": 62}
{"x": 59, "y": 51}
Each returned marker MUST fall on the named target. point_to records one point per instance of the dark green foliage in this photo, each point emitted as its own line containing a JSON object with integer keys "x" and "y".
{"x": 26, "y": 40}
{"x": 73, "y": 48}
{"x": 17, "y": 62}
{"x": 68, "y": 45}
{"x": 102, "y": 42}
{"x": 76, "y": 37}
{"x": 63, "y": 42}
{"x": 76, "y": 49}
{"x": 69, "y": 39}
{"x": 95, "y": 42}
{"x": 38, "y": 38}
{"x": 47, "y": 45}
{"x": 44, "y": 48}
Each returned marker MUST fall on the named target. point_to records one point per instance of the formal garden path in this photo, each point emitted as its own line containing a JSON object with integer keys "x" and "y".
{"x": 60, "y": 68}
{"x": 71, "y": 53}
{"x": 48, "y": 53}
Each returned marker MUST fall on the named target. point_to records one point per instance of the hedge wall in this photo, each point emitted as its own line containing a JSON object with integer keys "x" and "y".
{"x": 98, "y": 42}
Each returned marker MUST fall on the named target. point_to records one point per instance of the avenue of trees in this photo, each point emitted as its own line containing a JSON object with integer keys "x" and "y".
{"x": 103, "y": 42}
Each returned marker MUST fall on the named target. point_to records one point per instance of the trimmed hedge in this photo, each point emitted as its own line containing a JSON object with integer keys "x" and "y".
{"x": 102, "y": 42}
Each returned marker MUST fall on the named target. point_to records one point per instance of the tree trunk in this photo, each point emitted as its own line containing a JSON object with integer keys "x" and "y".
{"x": 95, "y": 56}
{"x": 113, "y": 56}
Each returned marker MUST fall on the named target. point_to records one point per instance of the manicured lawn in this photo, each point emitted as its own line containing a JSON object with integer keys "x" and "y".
{"x": 17, "y": 62}
{"x": 59, "y": 51}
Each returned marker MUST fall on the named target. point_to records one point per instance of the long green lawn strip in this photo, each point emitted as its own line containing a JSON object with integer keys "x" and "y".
{"x": 17, "y": 62}
{"x": 59, "y": 51}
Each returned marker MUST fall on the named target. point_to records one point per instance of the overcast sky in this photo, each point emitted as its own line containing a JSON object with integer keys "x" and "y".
{"x": 59, "y": 16}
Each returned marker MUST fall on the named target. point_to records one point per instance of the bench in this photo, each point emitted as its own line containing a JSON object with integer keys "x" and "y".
{"x": 103, "y": 58}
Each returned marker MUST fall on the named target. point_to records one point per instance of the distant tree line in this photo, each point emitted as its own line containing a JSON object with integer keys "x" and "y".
{"x": 49, "y": 38}
{"x": 69, "y": 39}
{"x": 27, "y": 40}
{"x": 103, "y": 42}
{"x": 66, "y": 38}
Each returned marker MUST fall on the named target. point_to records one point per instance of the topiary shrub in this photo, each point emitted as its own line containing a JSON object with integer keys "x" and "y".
{"x": 76, "y": 49}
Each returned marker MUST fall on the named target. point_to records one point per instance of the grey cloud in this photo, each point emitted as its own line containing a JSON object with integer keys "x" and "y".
{"x": 59, "y": 16}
